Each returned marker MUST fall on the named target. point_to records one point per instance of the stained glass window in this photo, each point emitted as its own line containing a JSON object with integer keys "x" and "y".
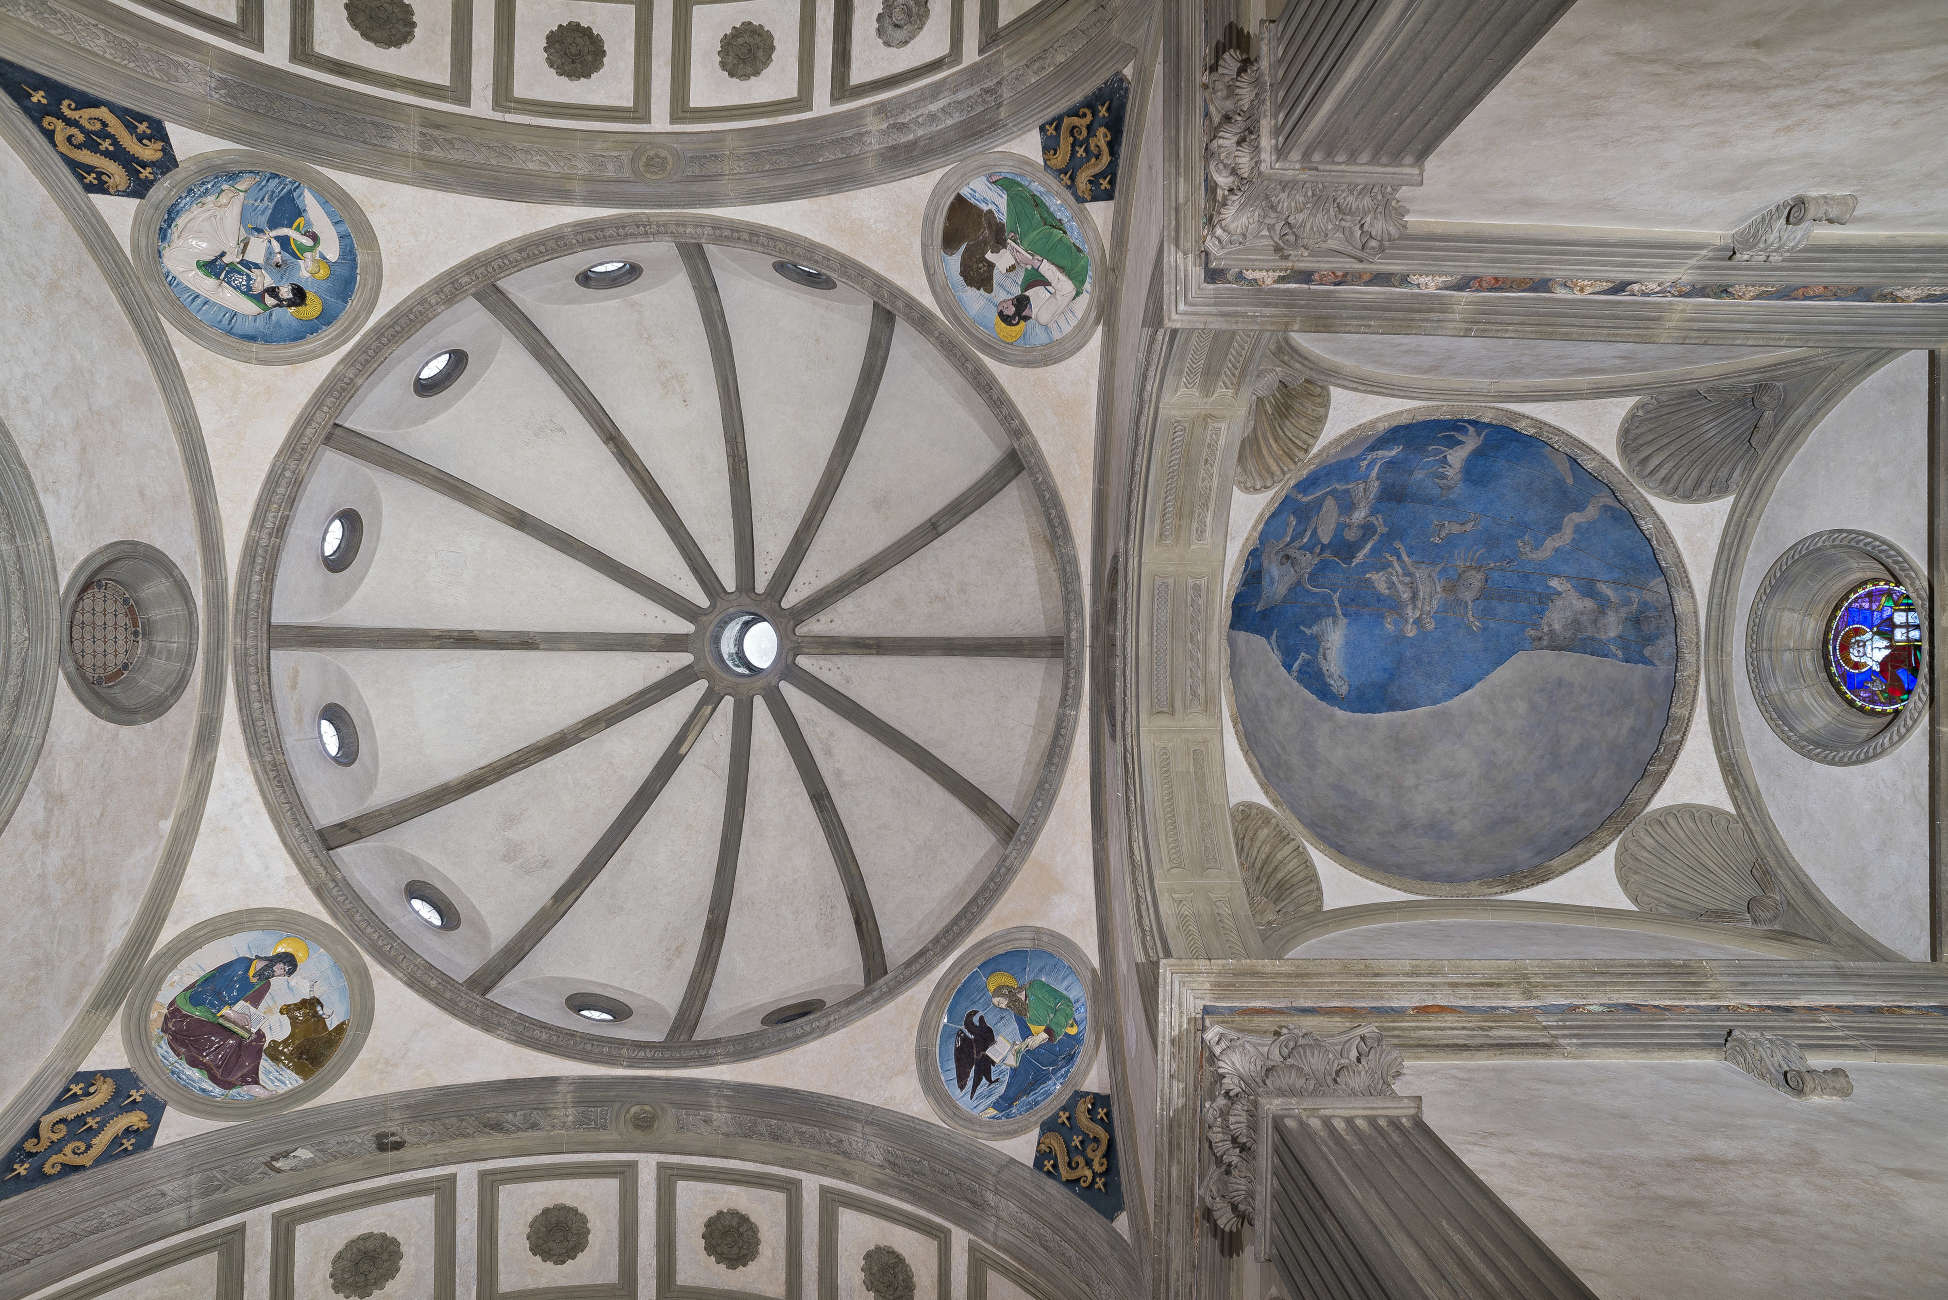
{"x": 1873, "y": 647}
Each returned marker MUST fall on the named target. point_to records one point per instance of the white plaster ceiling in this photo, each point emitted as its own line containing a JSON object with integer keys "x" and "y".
{"x": 1695, "y": 116}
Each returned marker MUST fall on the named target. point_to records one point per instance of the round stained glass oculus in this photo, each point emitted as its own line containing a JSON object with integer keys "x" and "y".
{"x": 1873, "y": 647}
{"x": 440, "y": 372}
{"x": 105, "y": 632}
{"x": 608, "y": 275}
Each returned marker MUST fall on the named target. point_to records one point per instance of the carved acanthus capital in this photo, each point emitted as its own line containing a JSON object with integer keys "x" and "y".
{"x": 1781, "y": 1064}
{"x": 1285, "y": 1064}
{"x": 1297, "y": 216}
{"x": 1787, "y": 225}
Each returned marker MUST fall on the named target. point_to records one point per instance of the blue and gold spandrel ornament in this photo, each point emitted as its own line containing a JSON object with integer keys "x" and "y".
{"x": 1077, "y": 1149}
{"x": 101, "y": 1115}
{"x": 1083, "y": 144}
{"x": 109, "y": 149}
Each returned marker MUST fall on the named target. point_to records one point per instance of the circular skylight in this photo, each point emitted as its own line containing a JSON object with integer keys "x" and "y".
{"x": 431, "y": 905}
{"x": 439, "y": 372}
{"x": 339, "y": 545}
{"x": 337, "y": 736}
{"x": 809, "y": 276}
{"x": 608, "y": 274}
{"x": 796, "y": 622}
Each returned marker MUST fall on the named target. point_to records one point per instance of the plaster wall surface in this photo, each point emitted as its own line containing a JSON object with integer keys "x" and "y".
{"x": 88, "y": 415}
{"x": 1694, "y": 776}
{"x": 239, "y": 860}
{"x": 1654, "y": 1179}
{"x": 1697, "y": 116}
{"x": 1860, "y": 832}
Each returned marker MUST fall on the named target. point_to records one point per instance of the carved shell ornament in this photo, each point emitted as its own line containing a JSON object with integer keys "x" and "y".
{"x": 900, "y": 22}
{"x": 1281, "y": 884}
{"x": 1700, "y": 863}
{"x": 364, "y": 1265}
{"x": 1288, "y": 412}
{"x": 1695, "y": 446}
{"x": 746, "y": 50}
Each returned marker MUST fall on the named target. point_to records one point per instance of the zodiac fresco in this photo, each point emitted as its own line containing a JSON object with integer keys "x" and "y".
{"x": 1451, "y": 604}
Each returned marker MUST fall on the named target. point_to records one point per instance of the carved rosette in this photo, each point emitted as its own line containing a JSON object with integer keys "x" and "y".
{"x": 1287, "y": 1063}
{"x": 1779, "y": 1063}
{"x": 731, "y": 1238}
{"x": 558, "y": 1233}
{"x": 900, "y": 21}
{"x": 388, "y": 24}
{"x": 365, "y": 1264}
{"x": 746, "y": 50}
{"x": 574, "y": 51}
{"x": 1695, "y": 446}
{"x": 886, "y": 1275}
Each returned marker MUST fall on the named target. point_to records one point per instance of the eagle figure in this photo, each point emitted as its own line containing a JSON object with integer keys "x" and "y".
{"x": 971, "y": 1059}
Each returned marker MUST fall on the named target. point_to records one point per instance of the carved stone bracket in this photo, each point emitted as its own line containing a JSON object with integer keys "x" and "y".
{"x": 1287, "y": 1064}
{"x": 1781, "y": 1064}
{"x": 1785, "y": 227}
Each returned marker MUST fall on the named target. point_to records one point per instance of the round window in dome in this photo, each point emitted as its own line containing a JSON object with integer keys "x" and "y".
{"x": 339, "y": 545}
{"x": 809, "y": 276}
{"x": 602, "y": 1010}
{"x": 431, "y": 905}
{"x": 440, "y": 372}
{"x": 105, "y": 632}
{"x": 608, "y": 275}
{"x": 1873, "y": 647}
{"x": 337, "y": 735}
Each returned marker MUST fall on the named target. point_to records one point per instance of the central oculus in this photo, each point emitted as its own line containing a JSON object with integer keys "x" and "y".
{"x": 746, "y": 643}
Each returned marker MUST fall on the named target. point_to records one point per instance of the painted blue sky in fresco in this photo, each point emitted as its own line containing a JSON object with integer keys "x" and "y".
{"x": 1406, "y": 569}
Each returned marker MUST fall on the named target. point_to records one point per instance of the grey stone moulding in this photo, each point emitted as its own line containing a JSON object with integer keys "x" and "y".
{"x": 138, "y": 1040}
{"x": 1683, "y": 1010}
{"x": 844, "y": 88}
{"x": 441, "y": 1190}
{"x": 1684, "y": 608}
{"x": 926, "y": 1047}
{"x": 1785, "y": 647}
{"x": 725, "y": 1239}
{"x": 226, "y": 1244}
{"x": 118, "y": 968}
{"x": 1765, "y": 943}
{"x": 1696, "y": 862}
{"x": 487, "y": 1235}
{"x": 1280, "y": 880}
{"x": 246, "y": 28}
{"x": 31, "y": 640}
{"x": 1287, "y": 351}
{"x": 506, "y": 100}
{"x": 1692, "y": 446}
{"x": 167, "y": 660}
{"x": 457, "y": 89}
{"x": 264, "y": 541}
{"x": 832, "y": 1280}
{"x": 944, "y": 191}
{"x": 143, "y": 252}
{"x": 1810, "y": 394}
{"x": 1058, "y": 52}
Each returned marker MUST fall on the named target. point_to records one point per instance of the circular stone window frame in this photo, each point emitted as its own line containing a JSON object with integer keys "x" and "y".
{"x": 147, "y": 227}
{"x": 263, "y": 548}
{"x": 926, "y": 1047}
{"x": 1684, "y": 608}
{"x": 1787, "y": 673}
{"x": 136, "y": 1044}
{"x": 162, "y": 671}
{"x": 943, "y": 294}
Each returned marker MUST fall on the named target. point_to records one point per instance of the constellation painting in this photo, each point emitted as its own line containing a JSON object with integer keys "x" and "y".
{"x": 1452, "y": 599}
